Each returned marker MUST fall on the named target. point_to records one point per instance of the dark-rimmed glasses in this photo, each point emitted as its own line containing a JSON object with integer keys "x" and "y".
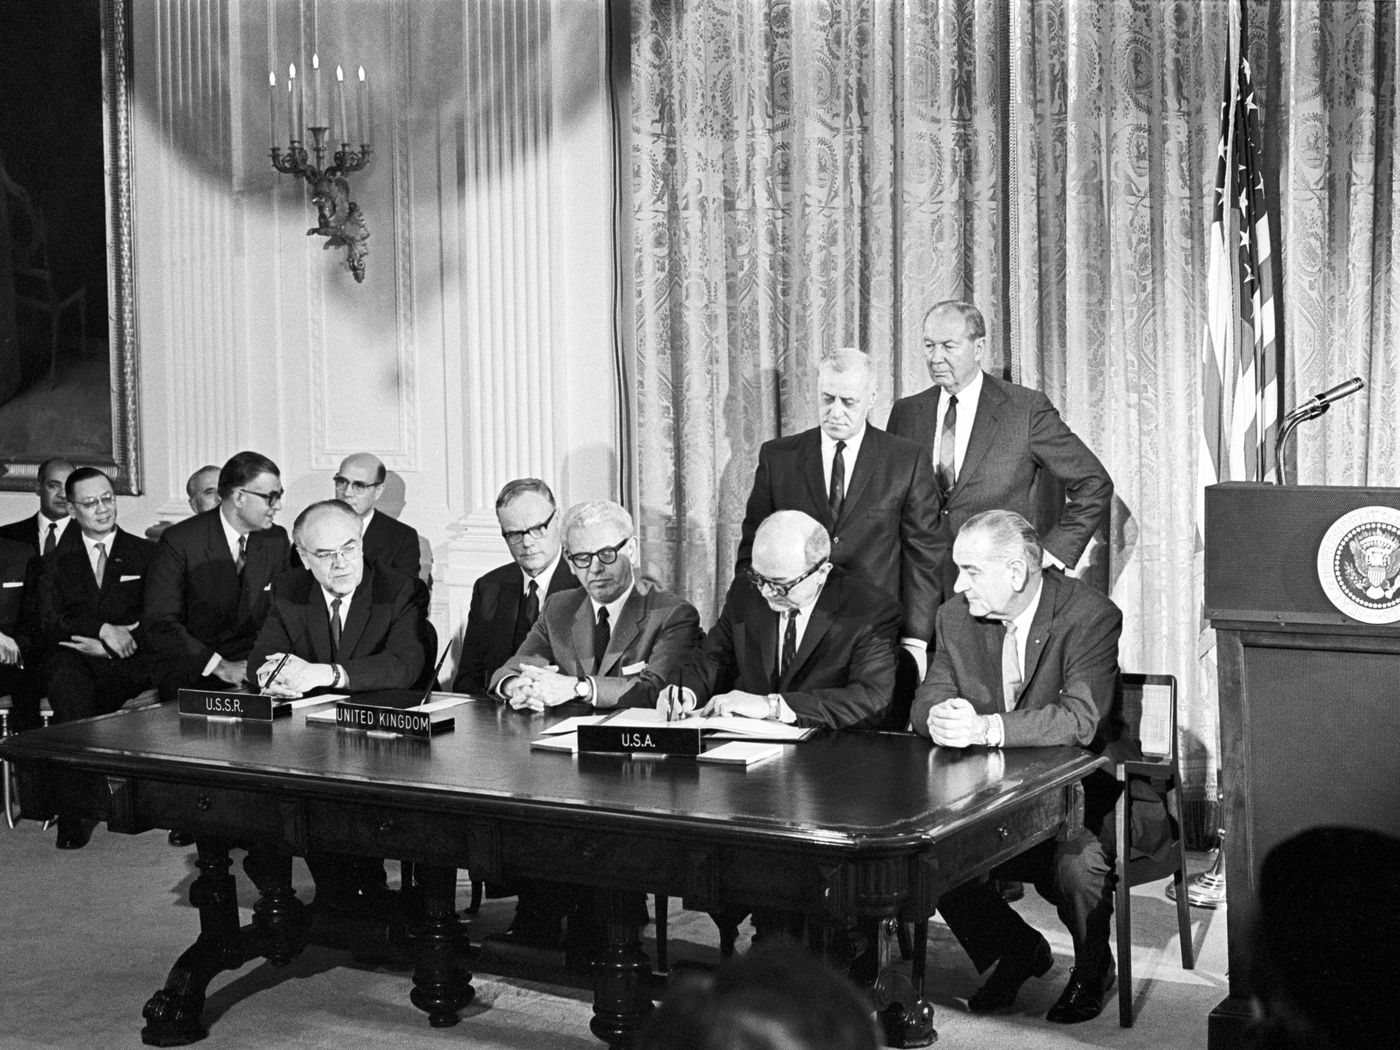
{"x": 328, "y": 556}
{"x": 535, "y": 532}
{"x": 91, "y": 504}
{"x": 606, "y": 556}
{"x": 342, "y": 482}
{"x": 273, "y": 498}
{"x": 779, "y": 588}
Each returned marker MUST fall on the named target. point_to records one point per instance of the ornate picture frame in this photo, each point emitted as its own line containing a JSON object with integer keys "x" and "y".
{"x": 119, "y": 456}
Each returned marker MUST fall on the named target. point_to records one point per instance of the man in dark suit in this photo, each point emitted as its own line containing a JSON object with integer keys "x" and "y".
{"x": 799, "y": 640}
{"x": 389, "y": 543}
{"x": 208, "y": 590}
{"x": 993, "y": 443}
{"x": 614, "y": 642}
{"x": 507, "y": 600}
{"x": 873, "y": 492}
{"x": 347, "y": 625}
{"x": 202, "y": 493}
{"x": 1029, "y": 658}
{"x": 88, "y": 600}
{"x": 16, "y": 678}
{"x": 42, "y": 532}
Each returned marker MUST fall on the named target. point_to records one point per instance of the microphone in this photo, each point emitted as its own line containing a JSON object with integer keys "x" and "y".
{"x": 1309, "y": 409}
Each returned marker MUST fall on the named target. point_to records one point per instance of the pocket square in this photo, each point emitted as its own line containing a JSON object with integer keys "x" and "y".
{"x": 268, "y": 587}
{"x": 128, "y": 579}
{"x": 636, "y": 668}
{"x": 12, "y": 583}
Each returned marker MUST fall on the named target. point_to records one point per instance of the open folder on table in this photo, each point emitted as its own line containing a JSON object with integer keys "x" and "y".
{"x": 730, "y": 727}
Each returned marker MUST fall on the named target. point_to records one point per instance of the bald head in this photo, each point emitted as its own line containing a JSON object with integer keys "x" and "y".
{"x": 360, "y": 482}
{"x": 788, "y": 544}
{"x": 327, "y": 535}
{"x": 203, "y": 488}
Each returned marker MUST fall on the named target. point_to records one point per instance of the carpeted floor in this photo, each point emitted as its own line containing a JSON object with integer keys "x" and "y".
{"x": 88, "y": 936}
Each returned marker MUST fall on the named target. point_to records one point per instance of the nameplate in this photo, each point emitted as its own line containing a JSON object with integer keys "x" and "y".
{"x": 396, "y": 720}
{"x": 249, "y": 707}
{"x": 654, "y": 740}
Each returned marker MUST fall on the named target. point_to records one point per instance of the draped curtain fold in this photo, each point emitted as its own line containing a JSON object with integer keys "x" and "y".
{"x": 808, "y": 176}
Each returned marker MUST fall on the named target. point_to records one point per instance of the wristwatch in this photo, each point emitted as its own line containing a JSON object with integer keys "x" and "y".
{"x": 775, "y": 701}
{"x": 582, "y": 690}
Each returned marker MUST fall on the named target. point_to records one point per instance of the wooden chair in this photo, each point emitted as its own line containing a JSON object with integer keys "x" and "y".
{"x": 7, "y": 704}
{"x": 1149, "y": 710}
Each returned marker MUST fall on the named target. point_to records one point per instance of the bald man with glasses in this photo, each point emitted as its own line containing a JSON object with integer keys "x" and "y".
{"x": 389, "y": 543}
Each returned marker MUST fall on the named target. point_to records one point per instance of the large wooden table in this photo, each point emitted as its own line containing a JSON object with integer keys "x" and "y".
{"x": 843, "y": 826}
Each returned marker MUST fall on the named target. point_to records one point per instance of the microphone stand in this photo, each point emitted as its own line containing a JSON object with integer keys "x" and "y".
{"x": 1309, "y": 410}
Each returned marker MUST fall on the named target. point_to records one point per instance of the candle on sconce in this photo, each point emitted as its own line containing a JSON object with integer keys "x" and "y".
{"x": 340, "y": 97}
{"x": 272, "y": 108}
{"x": 292, "y": 103}
{"x": 316, "y": 90}
{"x": 363, "y": 108}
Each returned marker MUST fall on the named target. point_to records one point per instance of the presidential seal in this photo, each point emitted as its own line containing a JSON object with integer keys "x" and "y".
{"x": 1358, "y": 563}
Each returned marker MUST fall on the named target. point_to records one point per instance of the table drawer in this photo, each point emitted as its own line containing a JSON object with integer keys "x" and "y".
{"x": 226, "y": 812}
{"x": 992, "y": 840}
{"x": 604, "y": 857}
{"x": 382, "y": 831}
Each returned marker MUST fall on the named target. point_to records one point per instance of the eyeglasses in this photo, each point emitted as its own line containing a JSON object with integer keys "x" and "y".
{"x": 108, "y": 500}
{"x": 780, "y": 588}
{"x": 606, "y": 556}
{"x": 328, "y": 557}
{"x": 273, "y": 498}
{"x": 354, "y": 486}
{"x": 535, "y": 532}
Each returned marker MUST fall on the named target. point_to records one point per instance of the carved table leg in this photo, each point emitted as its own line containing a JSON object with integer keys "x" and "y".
{"x": 173, "y": 1013}
{"x": 442, "y": 984}
{"x": 620, "y": 1003}
{"x": 906, "y": 1015}
{"x": 279, "y": 919}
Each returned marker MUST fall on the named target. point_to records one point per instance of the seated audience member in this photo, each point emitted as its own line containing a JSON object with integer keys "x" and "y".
{"x": 346, "y": 625}
{"x": 202, "y": 491}
{"x": 389, "y": 543}
{"x": 208, "y": 590}
{"x": 506, "y": 601}
{"x": 1026, "y": 658}
{"x": 1326, "y": 943}
{"x": 42, "y": 532}
{"x": 799, "y": 640}
{"x": 775, "y": 997}
{"x": 611, "y": 643}
{"x": 88, "y": 597}
{"x": 16, "y": 678}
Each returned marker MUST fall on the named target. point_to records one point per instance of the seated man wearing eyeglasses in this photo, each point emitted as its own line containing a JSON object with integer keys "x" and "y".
{"x": 389, "y": 543}
{"x": 208, "y": 590}
{"x": 614, "y": 642}
{"x": 506, "y": 601}
{"x": 799, "y": 640}
{"x": 88, "y": 598}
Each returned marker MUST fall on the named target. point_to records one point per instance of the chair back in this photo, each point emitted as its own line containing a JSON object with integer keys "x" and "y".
{"x": 1149, "y": 710}
{"x": 428, "y": 634}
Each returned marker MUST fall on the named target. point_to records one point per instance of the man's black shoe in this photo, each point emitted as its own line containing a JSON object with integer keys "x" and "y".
{"x": 1083, "y": 997}
{"x": 1012, "y": 971}
{"x": 1010, "y": 890}
{"x": 180, "y": 838}
{"x": 74, "y": 832}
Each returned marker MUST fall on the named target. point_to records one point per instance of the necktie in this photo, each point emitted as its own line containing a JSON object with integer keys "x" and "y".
{"x": 948, "y": 445}
{"x": 335, "y": 628}
{"x": 242, "y": 554}
{"x": 51, "y": 540}
{"x": 1010, "y": 668}
{"x": 601, "y": 633}
{"x": 99, "y": 563}
{"x": 837, "y": 495}
{"x": 527, "y": 613}
{"x": 789, "y": 643}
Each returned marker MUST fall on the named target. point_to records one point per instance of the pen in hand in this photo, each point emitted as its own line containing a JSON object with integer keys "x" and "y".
{"x": 277, "y": 670}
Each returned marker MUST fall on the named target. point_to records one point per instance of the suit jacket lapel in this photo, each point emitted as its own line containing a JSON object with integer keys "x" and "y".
{"x": 318, "y": 624}
{"x": 221, "y": 559}
{"x": 870, "y": 448}
{"x": 625, "y": 630}
{"x": 984, "y": 427}
{"x": 818, "y": 623}
{"x": 1040, "y": 628}
{"x": 360, "y": 607}
{"x": 816, "y": 477}
{"x": 762, "y": 631}
{"x": 583, "y": 633}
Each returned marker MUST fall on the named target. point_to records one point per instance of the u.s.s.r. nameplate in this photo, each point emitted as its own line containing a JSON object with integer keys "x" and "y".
{"x": 250, "y": 707}
{"x": 634, "y": 739}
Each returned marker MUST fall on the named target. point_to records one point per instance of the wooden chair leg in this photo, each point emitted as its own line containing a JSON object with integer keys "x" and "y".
{"x": 478, "y": 888}
{"x": 1183, "y": 909}
{"x": 920, "y": 956}
{"x": 1123, "y": 915}
{"x": 662, "y": 908}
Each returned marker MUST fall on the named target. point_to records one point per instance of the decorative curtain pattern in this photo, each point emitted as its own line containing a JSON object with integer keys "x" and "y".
{"x": 808, "y": 176}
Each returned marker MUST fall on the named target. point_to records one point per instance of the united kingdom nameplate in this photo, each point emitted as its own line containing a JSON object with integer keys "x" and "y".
{"x": 1358, "y": 564}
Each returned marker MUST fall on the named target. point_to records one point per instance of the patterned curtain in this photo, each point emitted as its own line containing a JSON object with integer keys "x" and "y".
{"x": 808, "y": 176}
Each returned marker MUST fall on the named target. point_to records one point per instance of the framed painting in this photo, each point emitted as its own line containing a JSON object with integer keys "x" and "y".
{"x": 68, "y": 360}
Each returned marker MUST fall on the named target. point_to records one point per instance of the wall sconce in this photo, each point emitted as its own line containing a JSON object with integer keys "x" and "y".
{"x": 339, "y": 219}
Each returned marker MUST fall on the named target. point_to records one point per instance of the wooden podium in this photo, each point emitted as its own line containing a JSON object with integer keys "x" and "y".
{"x": 1309, "y": 695}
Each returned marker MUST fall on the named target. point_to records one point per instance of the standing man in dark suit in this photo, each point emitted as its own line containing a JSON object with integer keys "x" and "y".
{"x": 873, "y": 492}
{"x": 42, "y": 532}
{"x": 88, "y": 599}
{"x": 208, "y": 591}
{"x": 992, "y": 443}
{"x": 507, "y": 600}
{"x": 389, "y": 543}
{"x": 347, "y": 625}
{"x": 1029, "y": 658}
{"x": 799, "y": 640}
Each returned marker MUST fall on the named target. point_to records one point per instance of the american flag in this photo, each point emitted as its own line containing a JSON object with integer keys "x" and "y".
{"x": 1243, "y": 357}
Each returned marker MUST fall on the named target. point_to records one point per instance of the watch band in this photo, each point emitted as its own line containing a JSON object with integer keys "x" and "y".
{"x": 775, "y": 702}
